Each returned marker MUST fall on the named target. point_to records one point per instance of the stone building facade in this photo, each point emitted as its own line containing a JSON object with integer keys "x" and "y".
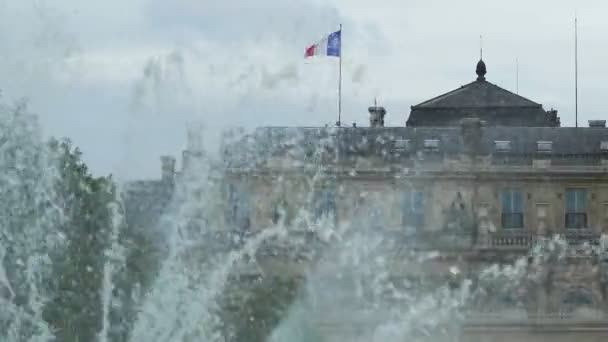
{"x": 479, "y": 175}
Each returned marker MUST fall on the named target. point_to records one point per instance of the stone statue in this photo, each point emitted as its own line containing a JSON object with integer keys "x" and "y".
{"x": 457, "y": 217}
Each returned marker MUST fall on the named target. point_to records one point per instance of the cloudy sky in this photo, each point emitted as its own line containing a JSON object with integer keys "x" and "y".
{"x": 124, "y": 78}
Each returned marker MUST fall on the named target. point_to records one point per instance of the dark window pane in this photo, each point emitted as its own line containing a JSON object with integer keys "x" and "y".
{"x": 512, "y": 209}
{"x": 576, "y": 200}
{"x": 570, "y": 201}
{"x": 325, "y": 204}
{"x": 512, "y": 201}
{"x": 506, "y": 201}
{"x": 518, "y": 206}
{"x": 576, "y": 220}
{"x": 412, "y": 208}
{"x": 512, "y": 220}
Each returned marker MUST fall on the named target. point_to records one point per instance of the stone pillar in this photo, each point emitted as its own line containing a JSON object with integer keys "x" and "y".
{"x": 542, "y": 227}
{"x": 485, "y": 226}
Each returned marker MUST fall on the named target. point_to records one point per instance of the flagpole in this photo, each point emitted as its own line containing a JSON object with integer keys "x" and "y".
{"x": 340, "y": 82}
{"x": 575, "y": 71}
{"x": 516, "y": 76}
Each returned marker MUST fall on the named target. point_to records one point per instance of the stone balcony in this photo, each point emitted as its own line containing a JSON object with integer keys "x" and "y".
{"x": 478, "y": 322}
{"x": 306, "y": 245}
{"x": 525, "y": 240}
{"x": 485, "y": 318}
{"x": 589, "y": 320}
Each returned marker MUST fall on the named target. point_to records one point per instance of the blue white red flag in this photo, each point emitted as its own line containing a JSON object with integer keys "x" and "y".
{"x": 328, "y": 46}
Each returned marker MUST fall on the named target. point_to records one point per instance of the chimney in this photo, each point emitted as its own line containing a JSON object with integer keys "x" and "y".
{"x": 376, "y": 116}
{"x": 597, "y": 123}
{"x": 167, "y": 167}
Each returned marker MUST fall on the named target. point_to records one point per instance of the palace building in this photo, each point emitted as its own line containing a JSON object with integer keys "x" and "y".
{"x": 478, "y": 174}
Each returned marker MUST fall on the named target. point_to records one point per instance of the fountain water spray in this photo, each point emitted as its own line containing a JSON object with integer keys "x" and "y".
{"x": 29, "y": 214}
{"x": 114, "y": 260}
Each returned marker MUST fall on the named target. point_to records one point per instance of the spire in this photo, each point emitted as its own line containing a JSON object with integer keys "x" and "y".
{"x": 481, "y": 66}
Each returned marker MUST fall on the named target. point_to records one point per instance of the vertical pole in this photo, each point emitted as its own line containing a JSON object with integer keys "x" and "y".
{"x": 575, "y": 71}
{"x": 516, "y": 76}
{"x": 340, "y": 81}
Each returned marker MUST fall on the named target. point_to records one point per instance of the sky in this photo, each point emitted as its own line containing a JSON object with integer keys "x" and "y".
{"x": 124, "y": 79}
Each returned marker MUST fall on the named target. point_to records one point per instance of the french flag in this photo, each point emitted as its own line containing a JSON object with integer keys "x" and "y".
{"x": 328, "y": 46}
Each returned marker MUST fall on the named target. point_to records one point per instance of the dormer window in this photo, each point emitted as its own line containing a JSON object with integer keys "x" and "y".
{"x": 402, "y": 145}
{"x": 544, "y": 146}
{"x": 431, "y": 145}
{"x": 502, "y": 146}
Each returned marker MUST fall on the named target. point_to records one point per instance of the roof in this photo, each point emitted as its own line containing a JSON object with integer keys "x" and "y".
{"x": 481, "y": 99}
{"x": 478, "y": 94}
{"x": 565, "y": 140}
{"x": 300, "y": 143}
{"x": 523, "y": 140}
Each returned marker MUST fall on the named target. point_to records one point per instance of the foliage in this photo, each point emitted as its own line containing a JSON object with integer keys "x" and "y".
{"x": 56, "y": 223}
{"x": 75, "y": 311}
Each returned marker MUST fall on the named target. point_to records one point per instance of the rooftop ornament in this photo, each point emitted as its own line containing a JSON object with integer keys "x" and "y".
{"x": 481, "y": 70}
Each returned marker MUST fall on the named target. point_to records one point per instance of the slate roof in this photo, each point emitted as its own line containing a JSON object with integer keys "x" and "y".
{"x": 478, "y": 94}
{"x": 485, "y": 100}
{"x": 523, "y": 140}
{"x": 300, "y": 142}
{"x": 565, "y": 140}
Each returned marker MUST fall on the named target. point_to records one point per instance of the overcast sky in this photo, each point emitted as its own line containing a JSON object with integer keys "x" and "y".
{"x": 123, "y": 78}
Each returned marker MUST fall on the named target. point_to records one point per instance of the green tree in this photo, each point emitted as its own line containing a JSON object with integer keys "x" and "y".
{"x": 75, "y": 311}
{"x": 57, "y": 221}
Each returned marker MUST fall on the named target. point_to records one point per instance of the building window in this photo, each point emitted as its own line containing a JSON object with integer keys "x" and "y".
{"x": 512, "y": 209}
{"x": 237, "y": 211}
{"x": 325, "y": 203}
{"x": 544, "y": 146}
{"x": 431, "y": 145}
{"x": 502, "y": 146}
{"x": 576, "y": 208}
{"x": 412, "y": 209}
{"x": 402, "y": 145}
